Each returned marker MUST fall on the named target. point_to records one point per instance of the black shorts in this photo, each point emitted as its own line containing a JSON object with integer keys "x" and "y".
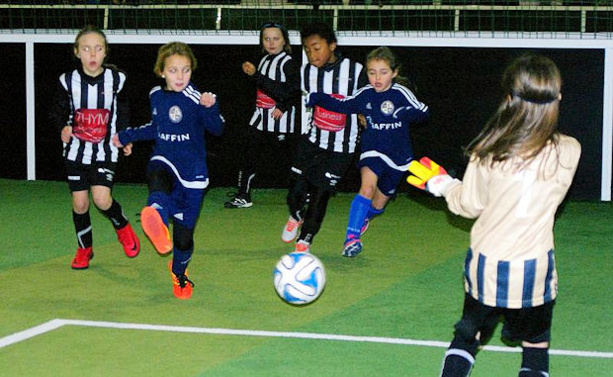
{"x": 532, "y": 325}
{"x": 322, "y": 168}
{"x": 82, "y": 177}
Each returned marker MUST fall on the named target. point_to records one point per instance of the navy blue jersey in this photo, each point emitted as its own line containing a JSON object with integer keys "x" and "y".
{"x": 178, "y": 126}
{"x": 388, "y": 115}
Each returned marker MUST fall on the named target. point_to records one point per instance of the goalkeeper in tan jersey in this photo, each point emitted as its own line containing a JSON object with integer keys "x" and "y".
{"x": 519, "y": 172}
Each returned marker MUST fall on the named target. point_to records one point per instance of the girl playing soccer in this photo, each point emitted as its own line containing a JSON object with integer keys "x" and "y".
{"x": 519, "y": 171}
{"x": 177, "y": 172}
{"x": 389, "y": 109}
{"x": 324, "y": 155}
{"x": 277, "y": 78}
{"x": 88, "y": 110}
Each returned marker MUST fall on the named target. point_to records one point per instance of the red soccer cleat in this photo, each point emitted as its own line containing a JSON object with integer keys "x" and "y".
{"x": 82, "y": 258}
{"x": 129, "y": 240}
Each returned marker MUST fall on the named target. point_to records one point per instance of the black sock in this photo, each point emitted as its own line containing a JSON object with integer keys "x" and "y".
{"x": 535, "y": 362}
{"x": 83, "y": 229}
{"x": 115, "y": 214}
{"x": 457, "y": 363}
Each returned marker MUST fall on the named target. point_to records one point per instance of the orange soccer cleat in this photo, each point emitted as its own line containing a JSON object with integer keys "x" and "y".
{"x": 182, "y": 287}
{"x": 156, "y": 230}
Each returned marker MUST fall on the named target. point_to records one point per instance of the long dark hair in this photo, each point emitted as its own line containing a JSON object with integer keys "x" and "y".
{"x": 527, "y": 118}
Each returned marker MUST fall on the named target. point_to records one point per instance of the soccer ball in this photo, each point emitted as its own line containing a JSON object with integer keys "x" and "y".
{"x": 299, "y": 278}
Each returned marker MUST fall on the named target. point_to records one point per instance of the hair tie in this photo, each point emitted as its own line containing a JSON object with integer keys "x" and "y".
{"x": 536, "y": 101}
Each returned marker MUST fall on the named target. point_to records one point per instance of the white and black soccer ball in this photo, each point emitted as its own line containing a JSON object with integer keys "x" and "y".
{"x": 299, "y": 278}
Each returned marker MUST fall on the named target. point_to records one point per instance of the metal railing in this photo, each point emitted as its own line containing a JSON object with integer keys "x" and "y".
{"x": 346, "y": 15}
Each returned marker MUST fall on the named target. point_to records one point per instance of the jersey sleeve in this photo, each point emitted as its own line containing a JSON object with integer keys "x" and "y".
{"x": 144, "y": 132}
{"x": 213, "y": 120}
{"x": 413, "y": 111}
{"x": 123, "y": 111}
{"x": 348, "y": 105}
{"x": 469, "y": 198}
{"x": 282, "y": 92}
{"x": 60, "y": 114}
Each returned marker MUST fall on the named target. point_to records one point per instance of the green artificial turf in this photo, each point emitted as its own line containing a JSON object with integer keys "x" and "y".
{"x": 407, "y": 284}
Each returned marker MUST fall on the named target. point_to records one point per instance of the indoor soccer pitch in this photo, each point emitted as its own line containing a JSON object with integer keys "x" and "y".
{"x": 388, "y": 312}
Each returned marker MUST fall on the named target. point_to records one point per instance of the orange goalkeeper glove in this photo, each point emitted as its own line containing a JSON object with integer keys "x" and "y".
{"x": 429, "y": 176}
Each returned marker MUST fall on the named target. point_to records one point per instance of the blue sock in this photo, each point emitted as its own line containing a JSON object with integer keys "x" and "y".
{"x": 373, "y": 212}
{"x": 159, "y": 201}
{"x": 180, "y": 260}
{"x": 358, "y": 211}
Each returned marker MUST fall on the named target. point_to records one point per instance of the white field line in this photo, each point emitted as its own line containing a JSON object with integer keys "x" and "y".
{"x": 32, "y": 332}
{"x": 57, "y": 323}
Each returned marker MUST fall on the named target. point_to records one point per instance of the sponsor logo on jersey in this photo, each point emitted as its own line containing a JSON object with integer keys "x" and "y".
{"x": 174, "y": 137}
{"x": 91, "y": 124}
{"x": 329, "y": 120}
{"x": 387, "y": 107}
{"x": 385, "y": 126}
{"x": 175, "y": 114}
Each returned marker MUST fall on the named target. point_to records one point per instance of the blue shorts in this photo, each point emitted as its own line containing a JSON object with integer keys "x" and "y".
{"x": 388, "y": 177}
{"x": 183, "y": 203}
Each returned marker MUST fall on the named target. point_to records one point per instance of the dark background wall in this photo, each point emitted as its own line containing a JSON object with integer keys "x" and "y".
{"x": 461, "y": 86}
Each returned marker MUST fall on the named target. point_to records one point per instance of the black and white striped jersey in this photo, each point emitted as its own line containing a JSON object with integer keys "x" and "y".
{"x": 332, "y": 131}
{"x": 278, "y": 86}
{"x": 82, "y": 96}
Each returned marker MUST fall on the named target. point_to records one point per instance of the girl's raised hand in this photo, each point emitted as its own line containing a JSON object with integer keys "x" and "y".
{"x": 208, "y": 99}
{"x": 249, "y": 68}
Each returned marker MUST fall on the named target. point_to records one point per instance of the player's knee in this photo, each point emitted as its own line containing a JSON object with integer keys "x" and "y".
{"x": 103, "y": 201}
{"x": 80, "y": 204}
{"x": 368, "y": 190}
{"x": 466, "y": 337}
